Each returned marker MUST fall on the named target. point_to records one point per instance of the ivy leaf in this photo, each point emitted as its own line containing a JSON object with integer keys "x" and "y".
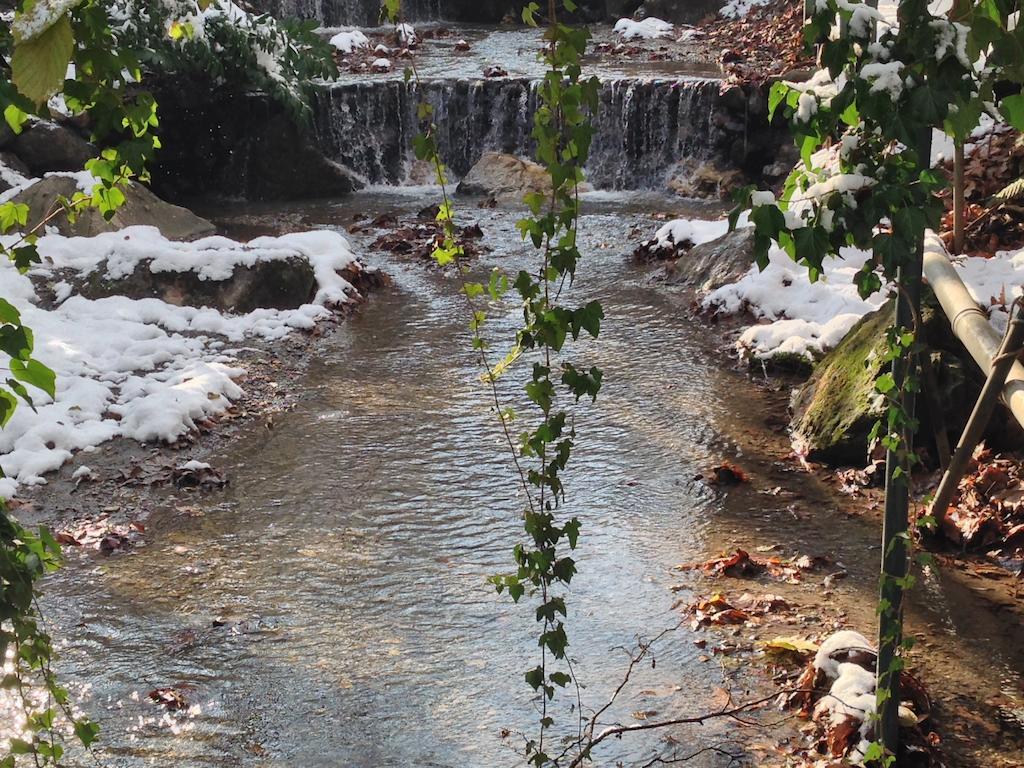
{"x": 1012, "y": 108}
{"x": 8, "y": 403}
{"x": 40, "y": 63}
{"x": 13, "y": 215}
{"x": 776, "y": 96}
{"x": 33, "y": 372}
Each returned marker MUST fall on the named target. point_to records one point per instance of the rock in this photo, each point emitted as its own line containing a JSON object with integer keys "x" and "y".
{"x": 682, "y": 11}
{"x": 6, "y": 134}
{"x": 693, "y": 178}
{"x": 278, "y": 284}
{"x": 835, "y": 410}
{"x": 711, "y": 265}
{"x": 45, "y": 146}
{"x": 141, "y": 207}
{"x": 504, "y": 176}
{"x": 9, "y": 166}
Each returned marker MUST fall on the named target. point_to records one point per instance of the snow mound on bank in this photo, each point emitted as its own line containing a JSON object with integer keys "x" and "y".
{"x": 648, "y": 29}
{"x": 737, "y": 9}
{"x": 800, "y": 317}
{"x": 808, "y": 319}
{"x": 142, "y": 368}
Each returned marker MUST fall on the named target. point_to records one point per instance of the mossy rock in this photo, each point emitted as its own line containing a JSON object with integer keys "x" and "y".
{"x": 834, "y": 411}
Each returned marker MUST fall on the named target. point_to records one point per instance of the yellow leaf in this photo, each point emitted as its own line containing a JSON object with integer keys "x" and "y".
{"x": 791, "y": 645}
{"x": 39, "y": 64}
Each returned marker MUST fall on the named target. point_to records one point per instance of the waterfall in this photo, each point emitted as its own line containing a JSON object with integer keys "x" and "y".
{"x": 641, "y": 130}
{"x": 339, "y": 13}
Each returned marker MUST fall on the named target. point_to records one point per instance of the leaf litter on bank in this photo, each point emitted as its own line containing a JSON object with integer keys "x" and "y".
{"x": 742, "y": 564}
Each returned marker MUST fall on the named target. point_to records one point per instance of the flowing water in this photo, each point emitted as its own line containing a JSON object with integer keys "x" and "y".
{"x": 653, "y": 113}
{"x": 331, "y": 608}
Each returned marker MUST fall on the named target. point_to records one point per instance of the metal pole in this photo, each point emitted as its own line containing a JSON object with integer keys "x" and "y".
{"x": 897, "y": 498}
{"x": 982, "y": 413}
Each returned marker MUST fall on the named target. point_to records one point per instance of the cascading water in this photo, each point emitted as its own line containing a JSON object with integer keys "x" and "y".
{"x": 642, "y": 129}
{"x": 335, "y": 13}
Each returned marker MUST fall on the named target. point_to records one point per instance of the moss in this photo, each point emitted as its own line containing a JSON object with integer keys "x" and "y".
{"x": 834, "y": 411}
{"x": 784, "y": 362}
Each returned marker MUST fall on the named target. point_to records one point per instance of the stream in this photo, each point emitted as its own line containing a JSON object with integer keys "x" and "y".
{"x": 346, "y": 563}
{"x": 330, "y": 606}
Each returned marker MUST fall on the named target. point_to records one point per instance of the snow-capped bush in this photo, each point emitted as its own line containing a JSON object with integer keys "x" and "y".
{"x": 224, "y": 45}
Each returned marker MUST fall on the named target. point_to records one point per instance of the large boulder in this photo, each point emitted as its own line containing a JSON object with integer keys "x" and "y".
{"x": 141, "y": 207}
{"x": 277, "y": 284}
{"x": 834, "y": 411}
{"x": 711, "y": 265}
{"x": 239, "y": 146}
{"x": 44, "y": 146}
{"x": 504, "y": 177}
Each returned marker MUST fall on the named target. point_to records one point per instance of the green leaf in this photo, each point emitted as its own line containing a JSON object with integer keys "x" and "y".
{"x": 1012, "y": 108}
{"x": 38, "y": 65}
{"x": 776, "y": 96}
{"x": 33, "y": 372}
{"x": 8, "y": 403}
{"x": 885, "y": 383}
{"x": 13, "y": 215}
{"x": 391, "y": 9}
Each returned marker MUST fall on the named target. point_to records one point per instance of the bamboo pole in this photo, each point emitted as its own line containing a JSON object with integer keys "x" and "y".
{"x": 970, "y": 323}
{"x": 981, "y": 414}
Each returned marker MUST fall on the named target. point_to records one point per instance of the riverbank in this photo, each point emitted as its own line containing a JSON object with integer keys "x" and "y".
{"x": 967, "y": 603}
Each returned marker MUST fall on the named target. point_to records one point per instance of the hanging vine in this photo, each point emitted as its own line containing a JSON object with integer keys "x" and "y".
{"x": 562, "y": 135}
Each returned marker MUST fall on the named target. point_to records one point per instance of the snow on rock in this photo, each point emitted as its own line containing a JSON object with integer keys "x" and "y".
{"x": 800, "y": 317}
{"x": 82, "y": 472}
{"x": 841, "y": 642}
{"x": 693, "y": 231}
{"x": 847, "y": 659}
{"x": 348, "y": 40}
{"x": 406, "y": 34}
{"x": 648, "y": 29}
{"x": 11, "y": 177}
{"x": 143, "y": 369}
{"x": 737, "y": 9}
{"x": 194, "y": 465}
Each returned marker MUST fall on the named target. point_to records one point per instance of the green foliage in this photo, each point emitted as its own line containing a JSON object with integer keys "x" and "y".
{"x": 35, "y": 51}
{"x": 562, "y": 133}
{"x": 864, "y": 129}
{"x": 225, "y": 48}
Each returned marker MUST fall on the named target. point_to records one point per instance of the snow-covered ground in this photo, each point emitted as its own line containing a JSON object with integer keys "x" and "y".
{"x": 799, "y": 317}
{"x": 144, "y": 369}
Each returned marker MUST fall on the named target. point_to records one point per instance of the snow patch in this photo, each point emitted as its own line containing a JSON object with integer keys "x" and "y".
{"x": 348, "y": 40}
{"x": 167, "y": 370}
{"x": 650, "y": 28}
{"x": 737, "y": 9}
